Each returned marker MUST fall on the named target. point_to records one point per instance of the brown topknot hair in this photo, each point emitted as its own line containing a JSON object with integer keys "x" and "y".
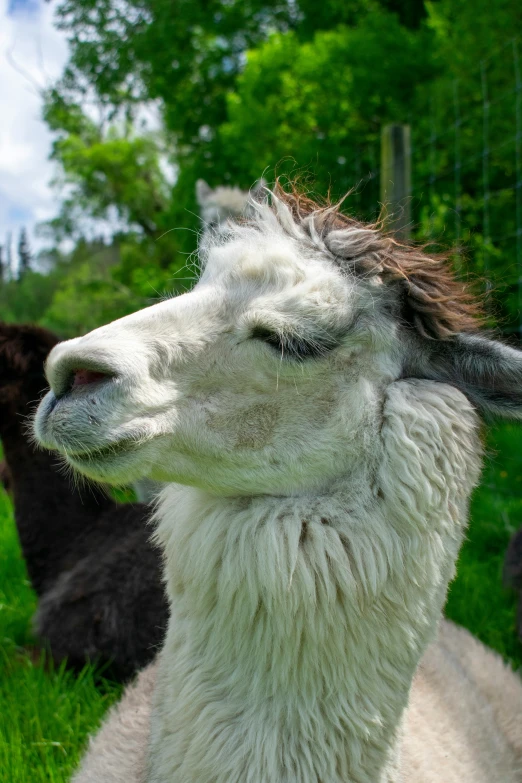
{"x": 435, "y": 302}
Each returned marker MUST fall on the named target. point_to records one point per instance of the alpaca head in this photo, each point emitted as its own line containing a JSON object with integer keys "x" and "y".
{"x": 23, "y": 351}
{"x": 224, "y": 202}
{"x": 269, "y": 376}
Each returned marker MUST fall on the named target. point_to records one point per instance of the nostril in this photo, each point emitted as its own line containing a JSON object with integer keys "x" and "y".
{"x": 82, "y": 377}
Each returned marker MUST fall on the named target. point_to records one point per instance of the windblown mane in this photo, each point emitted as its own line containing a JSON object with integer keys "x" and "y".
{"x": 433, "y": 301}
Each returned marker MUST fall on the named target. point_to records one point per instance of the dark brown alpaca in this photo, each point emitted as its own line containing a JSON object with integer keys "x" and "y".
{"x": 89, "y": 559}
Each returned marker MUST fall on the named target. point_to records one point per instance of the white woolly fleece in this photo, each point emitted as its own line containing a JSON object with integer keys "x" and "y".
{"x": 462, "y": 722}
{"x": 297, "y": 624}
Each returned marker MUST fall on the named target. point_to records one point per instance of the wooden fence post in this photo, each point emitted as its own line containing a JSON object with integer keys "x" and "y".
{"x": 396, "y": 177}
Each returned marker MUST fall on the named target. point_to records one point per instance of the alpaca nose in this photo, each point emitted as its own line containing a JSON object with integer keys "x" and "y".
{"x": 82, "y": 377}
{"x": 77, "y": 365}
{"x": 75, "y": 376}
{"x": 68, "y": 373}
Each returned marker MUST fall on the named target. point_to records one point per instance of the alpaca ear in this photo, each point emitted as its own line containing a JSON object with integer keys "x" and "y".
{"x": 486, "y": 371}
{"x": 203, "y": 192}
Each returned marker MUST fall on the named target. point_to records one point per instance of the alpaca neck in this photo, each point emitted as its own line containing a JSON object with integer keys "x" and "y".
{"x": 50, "y": 513}
{"x": 297, "y": 624}
{"x": 280, "y": 651}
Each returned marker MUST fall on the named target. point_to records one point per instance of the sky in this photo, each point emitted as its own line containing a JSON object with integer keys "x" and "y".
{"x": 32, "y": 56}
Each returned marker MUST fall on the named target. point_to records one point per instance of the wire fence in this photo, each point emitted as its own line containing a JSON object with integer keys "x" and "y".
{"x": 466, "y": 192}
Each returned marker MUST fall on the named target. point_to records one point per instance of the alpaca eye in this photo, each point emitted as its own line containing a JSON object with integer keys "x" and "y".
{"x": 293, "y": 347}
{"x": 266, "y": 336}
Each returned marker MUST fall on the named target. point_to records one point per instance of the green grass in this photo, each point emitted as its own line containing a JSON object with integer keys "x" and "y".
{"x": 477, "y": 598}
{"x": 46, "y": 714}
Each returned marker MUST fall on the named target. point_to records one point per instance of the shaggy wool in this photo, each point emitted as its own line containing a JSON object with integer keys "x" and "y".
{"x": 463, "y": 714}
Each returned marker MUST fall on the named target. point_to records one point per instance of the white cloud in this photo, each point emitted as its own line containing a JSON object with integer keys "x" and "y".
{"x": 32, "y": 55}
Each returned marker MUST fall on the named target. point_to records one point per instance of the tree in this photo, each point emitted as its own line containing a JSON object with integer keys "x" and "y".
{"x": 111, "y": 172}
{"x": 246, "y": 85}
{"x": 184, "y": 52}
{"x": 107, "y": 167}
{"x": 322, "y": 103}
{"x": 24, "y": 254}
{"x": 9, "y": 271}
{"x": 217, "y": 123}
{"x": 188, "y": 53}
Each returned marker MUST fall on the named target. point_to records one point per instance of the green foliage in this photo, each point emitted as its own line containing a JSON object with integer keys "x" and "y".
{"x": 314, "y": 106}
{"x": 469, "y": 33}
{"x": 188, "y": 53}
{"x": 330, "y": 13}
{"x": 465, "y": 145}
{"x": 253, "y": 87}
{"x": 107, "y": 168}
{"x": 86, "y": 299}
{"x": 107, "y": 172}
{"x": 93, "y": 284}
{"x": 28, "y": 299}
{"x": 101, "y": 283}
{"x": 189, "y": 56}
{"x": 322, "y": 102}
{"x": 185, "y": 52}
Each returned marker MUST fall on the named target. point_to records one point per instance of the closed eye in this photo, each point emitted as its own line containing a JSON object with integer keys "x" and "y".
{"x": 292, "y": 346}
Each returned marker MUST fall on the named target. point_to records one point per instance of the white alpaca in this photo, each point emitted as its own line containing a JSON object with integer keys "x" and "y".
{"x": 307, "y": 399}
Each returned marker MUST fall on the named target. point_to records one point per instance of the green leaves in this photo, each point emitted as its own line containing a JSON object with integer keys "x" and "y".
{"x": 109, "y": 167}
{"x": 323, "y": 102}
{"x": 256, "y": 87}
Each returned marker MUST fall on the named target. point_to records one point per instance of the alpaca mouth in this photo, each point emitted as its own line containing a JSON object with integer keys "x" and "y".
{"x": 103, "y": 453}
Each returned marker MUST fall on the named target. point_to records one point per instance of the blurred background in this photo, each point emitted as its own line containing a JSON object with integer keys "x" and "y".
{"x": 111, "y": 110}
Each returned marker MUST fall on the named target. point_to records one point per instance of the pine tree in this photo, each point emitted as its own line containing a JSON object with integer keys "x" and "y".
{"x": 8, "y": 257}
{"x": 24, "y": 254}
{"x": 3, "y": 276}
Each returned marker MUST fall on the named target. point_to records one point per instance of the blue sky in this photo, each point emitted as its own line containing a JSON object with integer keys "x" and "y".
{"x": 32, "y": 55}
{"x": 15, "y": 6}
